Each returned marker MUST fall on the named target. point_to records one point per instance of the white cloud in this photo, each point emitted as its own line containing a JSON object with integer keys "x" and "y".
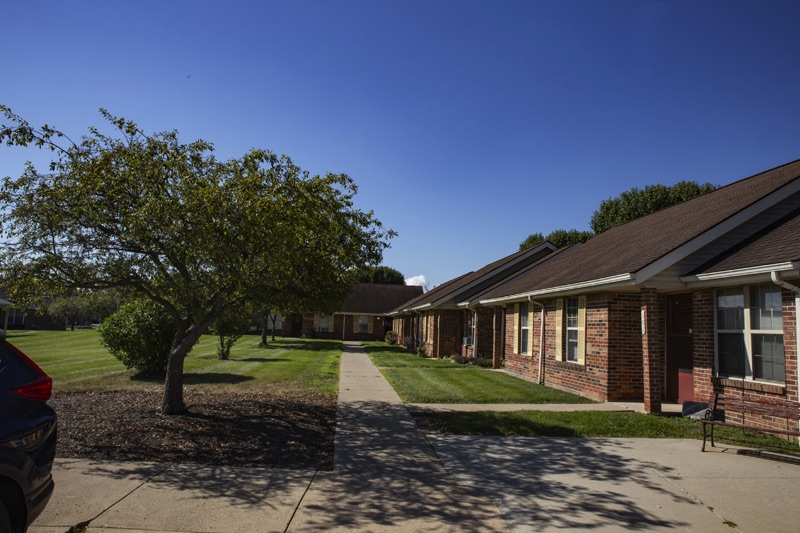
{"x": 420, "y": 281}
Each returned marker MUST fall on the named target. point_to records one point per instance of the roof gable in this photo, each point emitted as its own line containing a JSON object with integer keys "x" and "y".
{"x": 775, "y": 244}
{"x": 456, "y": 290}
{"x": 377, "y": 298}
{"x": 630, "y": 248}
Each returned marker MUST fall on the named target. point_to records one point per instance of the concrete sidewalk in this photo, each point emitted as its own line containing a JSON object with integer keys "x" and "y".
{"x": 387, "y": 477}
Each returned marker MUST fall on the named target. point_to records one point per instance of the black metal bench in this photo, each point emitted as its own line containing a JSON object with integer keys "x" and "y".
{"x": 730, "y": 410}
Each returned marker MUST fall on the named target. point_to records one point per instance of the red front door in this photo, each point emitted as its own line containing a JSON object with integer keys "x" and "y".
{"x": 680, "y": 352}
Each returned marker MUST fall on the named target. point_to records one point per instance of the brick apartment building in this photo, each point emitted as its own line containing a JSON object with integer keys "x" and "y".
{"x": 696, "y": 298}
{"x": 444, "y": 320}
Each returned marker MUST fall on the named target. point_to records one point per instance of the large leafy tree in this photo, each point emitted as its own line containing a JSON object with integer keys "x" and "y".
{"x": 558, "y": 238}
{"x": 635, "y": 202}
{"x": 149, "y": 215}
{"x": 382, "y": 274}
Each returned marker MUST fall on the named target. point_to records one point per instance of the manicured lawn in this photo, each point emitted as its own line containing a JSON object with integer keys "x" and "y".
{"x": 422, "y": 380}
{"x": 590, "y": 424}
{"x": 76, "y": 360}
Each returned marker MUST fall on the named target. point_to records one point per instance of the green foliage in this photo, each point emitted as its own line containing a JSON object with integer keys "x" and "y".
{"x": 558, "y": 238}
{"x": 636, "y": 203}
{"x": 391, "y": 337}
{"x": 80, "y": 306}
{"x": 229, "y": 328}
{"x": 165, "y": 220}
{"x": 381, "y": 274}
{"x": 480, "y": 361}
{"x": 140, "y": 335}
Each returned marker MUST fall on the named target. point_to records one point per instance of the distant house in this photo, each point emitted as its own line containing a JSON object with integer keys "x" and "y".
{"x": 447, "y": 320}
{"x": 696, "y": 298}
{"x": 362, "y": 316}
{"x": 14, "y": 317}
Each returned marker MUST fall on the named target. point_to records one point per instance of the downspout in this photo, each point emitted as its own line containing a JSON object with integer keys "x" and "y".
{"x": 344, "y": 322}
{"x": 540, "y": 379}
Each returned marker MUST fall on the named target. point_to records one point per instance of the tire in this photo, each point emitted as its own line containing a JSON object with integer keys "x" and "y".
{"x": 5, "y": 520}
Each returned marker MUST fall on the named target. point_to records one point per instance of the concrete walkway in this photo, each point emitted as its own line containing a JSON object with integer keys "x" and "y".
{"x": 387, "y": 477}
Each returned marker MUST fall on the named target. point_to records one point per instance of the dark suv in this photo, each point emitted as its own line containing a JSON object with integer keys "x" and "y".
{"x": 27, "y": 439}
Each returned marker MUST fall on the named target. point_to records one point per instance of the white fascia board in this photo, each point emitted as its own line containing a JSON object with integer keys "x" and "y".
{"x": 717, "y": 231}
{"x": 566, "y": 290}
{"x": 793, "y": 269}
{"x": 423, "y": 306}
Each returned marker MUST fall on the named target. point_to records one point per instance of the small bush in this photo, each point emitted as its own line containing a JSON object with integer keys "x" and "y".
{"x": 140, "y": 335}
{"x": 391, "y": 337}
{"x": 481, "y": 361}
{"x": 421, "y": 352}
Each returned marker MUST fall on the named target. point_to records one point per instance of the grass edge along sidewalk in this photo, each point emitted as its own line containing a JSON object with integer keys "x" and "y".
{"x": 422, "y": 380}
{"x": 77, "y": 361}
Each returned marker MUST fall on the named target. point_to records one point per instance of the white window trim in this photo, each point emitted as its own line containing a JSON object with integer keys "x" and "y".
{"x": 524, "y": 331}
{"x": 748, "y": 333}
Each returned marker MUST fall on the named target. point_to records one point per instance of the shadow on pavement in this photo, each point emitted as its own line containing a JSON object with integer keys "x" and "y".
{"x": 561, "y": 483}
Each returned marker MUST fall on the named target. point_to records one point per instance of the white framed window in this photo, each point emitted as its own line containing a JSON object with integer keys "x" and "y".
{"x": 749, "y": 333}
{"x": 324, "y": 324}
{"x": 524, "y": 329}
{"x": 572, "y": 329}
{"x": 363, "y": 324}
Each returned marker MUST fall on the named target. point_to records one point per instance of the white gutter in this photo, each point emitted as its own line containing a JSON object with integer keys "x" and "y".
{"x": 540, "y": 378}
{"x": 749, "y": 271}
{"x": 609, "y": 282}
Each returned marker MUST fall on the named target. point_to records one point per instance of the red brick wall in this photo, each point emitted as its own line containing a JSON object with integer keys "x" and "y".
{"x": 653, "y": 356}
{"x": 625, "y": 380}
{"x": 703, "y": 343}
{"x": 614, "y": 356}
{"x": 788, "y": 391}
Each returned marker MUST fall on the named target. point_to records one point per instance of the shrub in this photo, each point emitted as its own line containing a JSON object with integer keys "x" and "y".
{"x": 391, "y": 337}
{"x": 140, "y": 335}
{"x": 229, "y": 328}
{"x": 421, "y": 352}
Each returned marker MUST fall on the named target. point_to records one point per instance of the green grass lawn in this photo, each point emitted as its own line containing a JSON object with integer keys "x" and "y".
{"x": 591, "y": 424}
{"x": 76, "y": 360}
{"x": 423, "y": 380}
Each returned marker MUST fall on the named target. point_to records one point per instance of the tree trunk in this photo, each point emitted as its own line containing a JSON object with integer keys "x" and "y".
{"x": 185, "y": 339}
{"x": 264, "y": 322}
{"x": 274, "y": 318}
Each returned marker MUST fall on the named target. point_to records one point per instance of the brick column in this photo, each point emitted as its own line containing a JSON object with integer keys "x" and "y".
{"x": 703, "y": 344}
{"x": 652, "y": 351}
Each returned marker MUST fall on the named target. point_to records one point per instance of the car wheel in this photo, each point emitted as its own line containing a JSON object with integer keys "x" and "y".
{"x": 5, "y": 520}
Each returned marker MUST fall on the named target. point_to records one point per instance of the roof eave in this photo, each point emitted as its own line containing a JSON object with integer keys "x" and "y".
{"x": 742, "y": 275}
{"x": 611, "y": 282}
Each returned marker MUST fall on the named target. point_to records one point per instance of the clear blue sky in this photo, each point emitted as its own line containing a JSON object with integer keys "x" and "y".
{"x": 466, "y": 124}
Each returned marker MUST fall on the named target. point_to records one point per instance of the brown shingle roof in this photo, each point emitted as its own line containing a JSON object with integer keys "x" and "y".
{"x": 630, "y": 247}
{"x": 378, "y": 299}
{"x": 462, "y": 287}
{"x": 778, "y": 243}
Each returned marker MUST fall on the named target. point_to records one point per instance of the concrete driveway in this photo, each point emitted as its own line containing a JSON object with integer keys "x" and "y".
{"x": 558, "y": 484}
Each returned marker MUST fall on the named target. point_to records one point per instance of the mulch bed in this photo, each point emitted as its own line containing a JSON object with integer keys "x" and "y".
{"x": 220, "y": 428}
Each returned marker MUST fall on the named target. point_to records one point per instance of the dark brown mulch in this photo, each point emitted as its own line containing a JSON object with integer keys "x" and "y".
{"x": 229, "y": 429}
